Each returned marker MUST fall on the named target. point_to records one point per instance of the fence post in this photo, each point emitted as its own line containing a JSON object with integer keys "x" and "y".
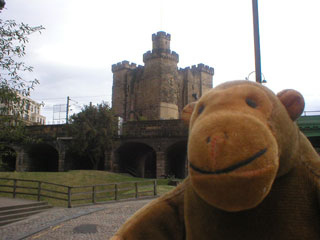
{"x": 39, "y": 191}
{"x": 115, "y": 191}
{"x": 155, "y": 188}
{"x": 69, "y": 197}
{"x": 14, "y": 187}
{"x": 93, "y": 194}
{"x": 136, "y": 188}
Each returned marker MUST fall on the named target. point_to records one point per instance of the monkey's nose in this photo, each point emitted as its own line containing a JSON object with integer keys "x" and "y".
{"x": 221, "y": 137}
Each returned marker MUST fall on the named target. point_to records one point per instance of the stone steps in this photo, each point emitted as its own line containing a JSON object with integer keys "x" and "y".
{"x": 19, "y": 212}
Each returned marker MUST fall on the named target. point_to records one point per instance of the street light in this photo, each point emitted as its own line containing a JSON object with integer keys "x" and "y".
{"x": 263, "y": 80}
{"x": 256, "y": 40}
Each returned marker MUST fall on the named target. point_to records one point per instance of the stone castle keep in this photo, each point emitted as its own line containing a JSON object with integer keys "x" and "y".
{"x": 158, "y": 90}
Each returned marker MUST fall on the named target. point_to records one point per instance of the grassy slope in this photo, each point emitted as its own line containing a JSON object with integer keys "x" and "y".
{"x": 74, "y": 178}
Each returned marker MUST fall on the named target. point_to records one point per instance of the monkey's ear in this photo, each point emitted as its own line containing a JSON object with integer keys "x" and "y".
{"x": 293, "y": 102}
{"x": 187, "y": 112}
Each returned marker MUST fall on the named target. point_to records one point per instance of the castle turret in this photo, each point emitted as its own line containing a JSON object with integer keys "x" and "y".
{"x": 161, "y": 49}
{"x": 160, "y": 76}
{"x": 198, "y": 80}
{"x": 120, "y": 87}
{"x": 161, "y": 41}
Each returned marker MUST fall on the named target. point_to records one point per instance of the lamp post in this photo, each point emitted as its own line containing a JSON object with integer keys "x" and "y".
{"x": 262, "y": 80}
{"x": 256, "y": 40}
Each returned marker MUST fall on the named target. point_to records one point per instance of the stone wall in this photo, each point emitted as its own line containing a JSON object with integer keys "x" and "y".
{"x": 49, "y": 131}
{"x": 154, "y": 129}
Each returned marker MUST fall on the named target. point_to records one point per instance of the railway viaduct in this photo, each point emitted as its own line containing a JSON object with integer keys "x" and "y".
{"x": 151, "y": 149}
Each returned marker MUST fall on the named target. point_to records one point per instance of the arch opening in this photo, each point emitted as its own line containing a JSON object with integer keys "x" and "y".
{"x": 176, "y": 160}
{"x": 7, "y": 159}
{"x": 137, "y": 159}
{"x": 43, "y": 158}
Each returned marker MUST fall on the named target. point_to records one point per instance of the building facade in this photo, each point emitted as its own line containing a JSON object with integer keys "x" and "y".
{"x": 29, "y": 114}
{"x": 32, "y": 114}
{"x": 158, "y": 90}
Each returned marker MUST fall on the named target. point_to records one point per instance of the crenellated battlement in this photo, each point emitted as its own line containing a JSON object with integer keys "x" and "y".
{"x": 161, "y": 35}
{"x": 201, "y": 68}
{"x": 161, "y": 53}
{"x": 161, "y": 42}
{"x": 123, "y": 65}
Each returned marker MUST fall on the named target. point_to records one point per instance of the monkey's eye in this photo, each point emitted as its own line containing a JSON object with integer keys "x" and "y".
{"x": 200, "y": 110}
{"x": 251, "y": 103}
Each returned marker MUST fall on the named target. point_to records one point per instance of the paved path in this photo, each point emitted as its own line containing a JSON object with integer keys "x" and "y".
{"x": 92, "y": 222}
{"x": 6, "y": 202}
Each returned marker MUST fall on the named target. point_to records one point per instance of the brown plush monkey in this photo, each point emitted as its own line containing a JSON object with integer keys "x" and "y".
{"x": 252, "y": 173}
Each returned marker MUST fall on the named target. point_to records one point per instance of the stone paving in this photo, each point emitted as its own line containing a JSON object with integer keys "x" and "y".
{"x": 6, "y": 202}
{"x": 91, "y": 222}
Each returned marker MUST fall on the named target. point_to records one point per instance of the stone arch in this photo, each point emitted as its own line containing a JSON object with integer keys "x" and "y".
{"x": 137, "y": 159}
{"x": 176, "y": 156}
{"x": 43, "y": 157}
{"x": 8, "y": 157}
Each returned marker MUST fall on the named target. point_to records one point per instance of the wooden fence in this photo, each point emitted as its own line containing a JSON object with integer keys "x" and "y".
{"x": 79, "y": 195}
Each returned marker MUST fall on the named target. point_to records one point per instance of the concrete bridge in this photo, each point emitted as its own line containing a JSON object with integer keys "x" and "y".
{"x": 144, "y": 148}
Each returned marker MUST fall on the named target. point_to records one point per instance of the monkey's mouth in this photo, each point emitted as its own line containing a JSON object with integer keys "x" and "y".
{"x": 233, "y": 167}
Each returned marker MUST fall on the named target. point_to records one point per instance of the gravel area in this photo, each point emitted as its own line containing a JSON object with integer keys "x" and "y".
{"x": 92, "y": 222}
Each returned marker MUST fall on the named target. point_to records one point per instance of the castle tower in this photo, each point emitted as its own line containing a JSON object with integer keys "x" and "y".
{"x": 120, "y": 89}
{"x": 161, "y": 79}
{"x": 157, "y": 90}
{"x": 161, "y": 42}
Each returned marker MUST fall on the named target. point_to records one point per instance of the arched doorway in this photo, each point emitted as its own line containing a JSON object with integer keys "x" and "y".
{"x": 43, "y": 158}
{"x": 176, "y": 156}
{"x": 7, "y": 159}
{"x": 137, "y": 159}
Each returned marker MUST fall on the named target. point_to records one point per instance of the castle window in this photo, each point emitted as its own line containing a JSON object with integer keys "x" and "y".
{"x": 195, "y": 96}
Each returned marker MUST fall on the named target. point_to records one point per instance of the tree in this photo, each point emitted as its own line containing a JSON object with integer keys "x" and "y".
{"x": 2, "y": 4}
{"x": 13, "y": 87}
{"x": 13, "y": 39}
{"x": 93, "y": 130}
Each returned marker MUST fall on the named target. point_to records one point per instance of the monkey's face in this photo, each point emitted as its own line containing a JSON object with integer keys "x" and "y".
{"x": 232, "y": 150}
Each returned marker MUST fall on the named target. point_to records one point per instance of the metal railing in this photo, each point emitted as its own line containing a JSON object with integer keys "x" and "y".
{"x": 311, "y": 113}
{"x": 79, "y": 195}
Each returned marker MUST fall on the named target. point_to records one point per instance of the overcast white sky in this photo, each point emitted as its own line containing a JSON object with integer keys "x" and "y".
{"x": 73, "y": 56}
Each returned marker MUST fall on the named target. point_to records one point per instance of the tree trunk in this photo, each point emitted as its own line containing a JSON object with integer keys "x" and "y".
{"x": 95, "y": 165}
{"x": 94, "y": 161}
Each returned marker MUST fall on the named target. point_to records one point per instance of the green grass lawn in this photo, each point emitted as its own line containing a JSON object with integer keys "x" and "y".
{"x": 80, "y": 178}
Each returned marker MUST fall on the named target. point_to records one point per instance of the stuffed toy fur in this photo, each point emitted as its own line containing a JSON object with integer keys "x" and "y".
{"x": 252, "y": 173}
